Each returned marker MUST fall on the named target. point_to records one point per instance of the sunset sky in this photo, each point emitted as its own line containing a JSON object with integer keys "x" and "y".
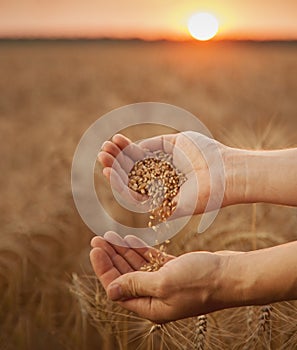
{"x": 154, "y": 19}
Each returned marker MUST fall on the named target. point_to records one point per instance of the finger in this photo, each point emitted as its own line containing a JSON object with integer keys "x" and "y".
{"x": 106, "y": 159}
{"x": 110, "y": 148}
{"x": 96, "y": 242}
{"x": 136, "y": 257}
{"x": 118, "y": 178}
{"x": 121, "y": 141}
{"x": 131, "y": 149}
{"x": 121, "y": 247}
{"x": 114, "y": 173}
{"x": 142, "y": 249}
{"x": 136, "y": 243}
{"x": 115, "y": 239}
{"x": 119, "y": 262}
{"x": 122, "y": 164}
{"x": 135, "y": 284}
{"x": 107, "y": 173}
{"x": 125, "y": 161}
{"x": 163, "y": 143}
{"x": 103, "y": 267}
{"x": 116, "y": 181}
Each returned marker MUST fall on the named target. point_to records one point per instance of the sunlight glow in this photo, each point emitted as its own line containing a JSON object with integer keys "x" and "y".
{"x": 203, "y": 26}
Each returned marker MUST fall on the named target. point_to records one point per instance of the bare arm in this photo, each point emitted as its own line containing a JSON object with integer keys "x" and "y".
{"x": 262, "y": 176}
{"x": 260, "y": 277}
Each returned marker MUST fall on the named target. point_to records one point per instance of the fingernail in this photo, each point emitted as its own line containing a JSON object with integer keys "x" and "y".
{"x": 115, "y": 292}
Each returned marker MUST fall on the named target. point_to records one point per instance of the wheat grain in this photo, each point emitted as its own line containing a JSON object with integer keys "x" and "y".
{"x": 160, "y": 180}
{"x": 157, "y": 260}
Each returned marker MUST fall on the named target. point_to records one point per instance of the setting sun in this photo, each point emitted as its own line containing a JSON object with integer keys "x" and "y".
{"x": 203, "y": 26}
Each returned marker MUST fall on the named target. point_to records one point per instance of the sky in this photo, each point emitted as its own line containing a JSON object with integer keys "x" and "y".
{"x": 154, "y": 19}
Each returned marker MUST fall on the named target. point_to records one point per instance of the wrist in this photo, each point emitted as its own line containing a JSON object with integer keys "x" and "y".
{"x": 235, "y": 176}
{"x": 234, "y": 284}
{"x": 260, "y": 176}
{"x": 252, "y": 278}
{"x": 251, "y": 176}
{"x": 227, "y": 286}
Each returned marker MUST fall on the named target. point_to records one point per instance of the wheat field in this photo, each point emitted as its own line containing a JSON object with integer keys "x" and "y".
{"x": 51, "y": 92}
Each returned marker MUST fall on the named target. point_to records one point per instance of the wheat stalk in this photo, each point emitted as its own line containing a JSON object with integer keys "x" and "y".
{"x": 201, "y": 330}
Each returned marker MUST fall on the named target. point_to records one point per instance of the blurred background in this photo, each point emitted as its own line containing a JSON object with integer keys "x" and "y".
{"x": 62, "y": 66}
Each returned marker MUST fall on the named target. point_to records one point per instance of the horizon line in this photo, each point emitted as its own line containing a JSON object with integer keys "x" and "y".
{"x": 144, "y": 40}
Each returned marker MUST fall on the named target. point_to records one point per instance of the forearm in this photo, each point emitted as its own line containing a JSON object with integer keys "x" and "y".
{"x": 262, "y": 176}
{"x": 259, "y": 277}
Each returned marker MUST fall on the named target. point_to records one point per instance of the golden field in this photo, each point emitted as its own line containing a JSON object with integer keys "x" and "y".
{"x": 51, "y": 92}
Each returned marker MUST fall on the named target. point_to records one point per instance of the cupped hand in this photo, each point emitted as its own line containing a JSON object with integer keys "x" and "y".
{"x": 184, "y": 286}
{"x": 193, "y": 154}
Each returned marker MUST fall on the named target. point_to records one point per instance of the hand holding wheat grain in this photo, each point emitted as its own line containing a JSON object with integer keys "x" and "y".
{"x": 244, "y": 176}
{"x": 194, "y": 283}
{"x": 192, "y": 153}
{"x": 178, "y": 289}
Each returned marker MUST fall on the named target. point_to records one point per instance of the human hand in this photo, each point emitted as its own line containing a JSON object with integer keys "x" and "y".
{"x": 193, "y": 154}
{"x": 244, "y": 176}
{"x": 194, "y": 283}
{"x": 185, "y": 286}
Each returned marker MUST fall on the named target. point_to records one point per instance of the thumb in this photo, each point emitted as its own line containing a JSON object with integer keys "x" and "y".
{"x": 133, "y": 285}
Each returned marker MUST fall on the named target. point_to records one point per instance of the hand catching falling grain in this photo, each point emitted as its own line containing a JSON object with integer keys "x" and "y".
{"x": 163, "y": 288}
